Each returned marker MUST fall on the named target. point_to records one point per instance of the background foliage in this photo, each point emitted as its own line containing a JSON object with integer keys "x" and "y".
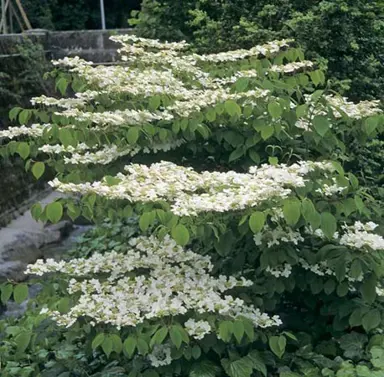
{"x": 77, "y": 15}
{"x": 348, "y": 35}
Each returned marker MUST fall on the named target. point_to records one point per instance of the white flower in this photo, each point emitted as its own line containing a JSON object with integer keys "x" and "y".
{"x": 197, "y": 329}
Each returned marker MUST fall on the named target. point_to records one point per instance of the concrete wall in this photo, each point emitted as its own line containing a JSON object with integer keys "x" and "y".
{"x": 93, "y": 45}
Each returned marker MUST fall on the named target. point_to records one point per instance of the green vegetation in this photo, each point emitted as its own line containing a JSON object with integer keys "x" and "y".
{"x": 347, "y": 35}
{"x": 240, "y": 238}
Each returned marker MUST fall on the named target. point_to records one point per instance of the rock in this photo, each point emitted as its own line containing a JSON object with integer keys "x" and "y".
{"x": 22, "y": 241}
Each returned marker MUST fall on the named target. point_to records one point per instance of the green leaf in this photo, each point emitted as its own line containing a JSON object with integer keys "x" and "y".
{"x": 307, "y": 209}
{"x": 180, "y": 234}
{"x": 368, "y": 289}
{"x": 142, "y": 346}
{"x": 159, "y": 336}
{"x": 176, "y": 336}
{"x": 132, "y": 135}
{"x": 98, "y": 340}
{"x": 22, "y": 341}
{"x": 65, "y": 136}
{"x": 38, "y": 169}
{"x": 232, "y": 108}
{"x": 154, "y": 103}
{"x": 196, "y": 352}
{"x": 275, "y": 109}
{"x": 371, "y": 320}
{"x": 277, "y": 345}
{"x": 238, "y": 368}
{"x": 292, "y": 211}
{"x": 257, "y": 221}
{"x": 24, "y": 116}
{"x": 14, "y": 112}
{"x": 236, "y": 154}
{"x": 328, "y": 224}
{"x": 321, "y": 124}
{"x": 54, "y": 212}
{"x": 226, "y": 330}
{"x": 107, "y": 345}
{"x": 211, "y": 115}
{"x": 6, "y": 293}
{"x": 238, "y": 330}
{"x": 117, "y": 344}
{"x": 267, "y": 132}
{"x": 204, "y": 368}
{"x": 257, "y": 362}
{"x": 370, "y": 124}
{"x": 130, "y": 345}
{"x": 146, "y": 219}
{"x": 23, "y": 150}
{"x": 273, "y": 160}
{"x": 62, "y": 85}
{"x": 20, "y": 293}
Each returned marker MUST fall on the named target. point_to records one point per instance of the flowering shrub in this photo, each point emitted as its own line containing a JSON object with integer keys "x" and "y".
{"x": 257, "y": 251}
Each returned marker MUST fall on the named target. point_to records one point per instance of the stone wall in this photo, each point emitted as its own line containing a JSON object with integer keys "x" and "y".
{"x": 92, "y": 45}
{"x": 17, "y": 188}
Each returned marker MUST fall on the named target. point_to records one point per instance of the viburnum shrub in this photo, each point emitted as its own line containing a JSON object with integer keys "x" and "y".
{"x": 257, "y": 254}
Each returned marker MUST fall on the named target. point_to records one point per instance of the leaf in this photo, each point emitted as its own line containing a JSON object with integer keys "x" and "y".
{"x": 257, "y": 221}
{"x": 368, "y": 289}
{"x": 14, "y": 112}
{"x": 132, "y": 135}
{"x": 353, "y": 345}
{"x": 65, "y": 137}
{"x": 307, "y": 209}
{"x": 176, "y": 336}
{"x": 370, "y": 124}
{"x": 180, "y": 234}
{"x": 98, "y": 340}
{"x": 236, "y": 154}
{"x": 204, "y": 368}
{"x": 321, "y": 124}
{"x": 238, "y": 330}
{"x": 54, "y": 212}
{"x": 275, "y": 109}
{"x": 62, "y": 85}
{"x": 211, "y": 115}
{"x": 277, "y": 345}
{"x": 142, "y": 346}
{"x": 159, "y": 336}
{"x": 22, "y": 341}
{"x": 226, "y": 330}
{"x": 107, "y": 345}
{"x": 23, "y": 150}
{"x": 117, "y": 344}
{"x": 371, "y": 320}
{"x": 257, "y": 362}
{"x": 154, "y": 102}
{"x": 224, "y": 244}
{"x": 38, "y": 169}
{"x": 267, "y": 132}
{"x": 232, "y": 108}
{"x": 146, "y": 219}
{"x": 130, "y": 345}
{"x": 6, "y": 293}
{"x": 24, "y": 116}
{"x": 20, "y": 293}
{"x": 292, "y": 211}
{"x": 328, "y": 224}
{"x": 238, "y": 368}
{"x": 196, "y": 352}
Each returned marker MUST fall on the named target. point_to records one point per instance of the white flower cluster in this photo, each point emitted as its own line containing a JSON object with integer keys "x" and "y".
{"x": 359, "y": 236}
{"x": 152, "y": 279}
{"x": 36, "y": 130}
{"x": 108, "y": 153}
{"x": 160, "y": 355}
{"x": 191, "y": 193}
{"x": 197, "y": 329}
{"x": 284, "y": 270}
